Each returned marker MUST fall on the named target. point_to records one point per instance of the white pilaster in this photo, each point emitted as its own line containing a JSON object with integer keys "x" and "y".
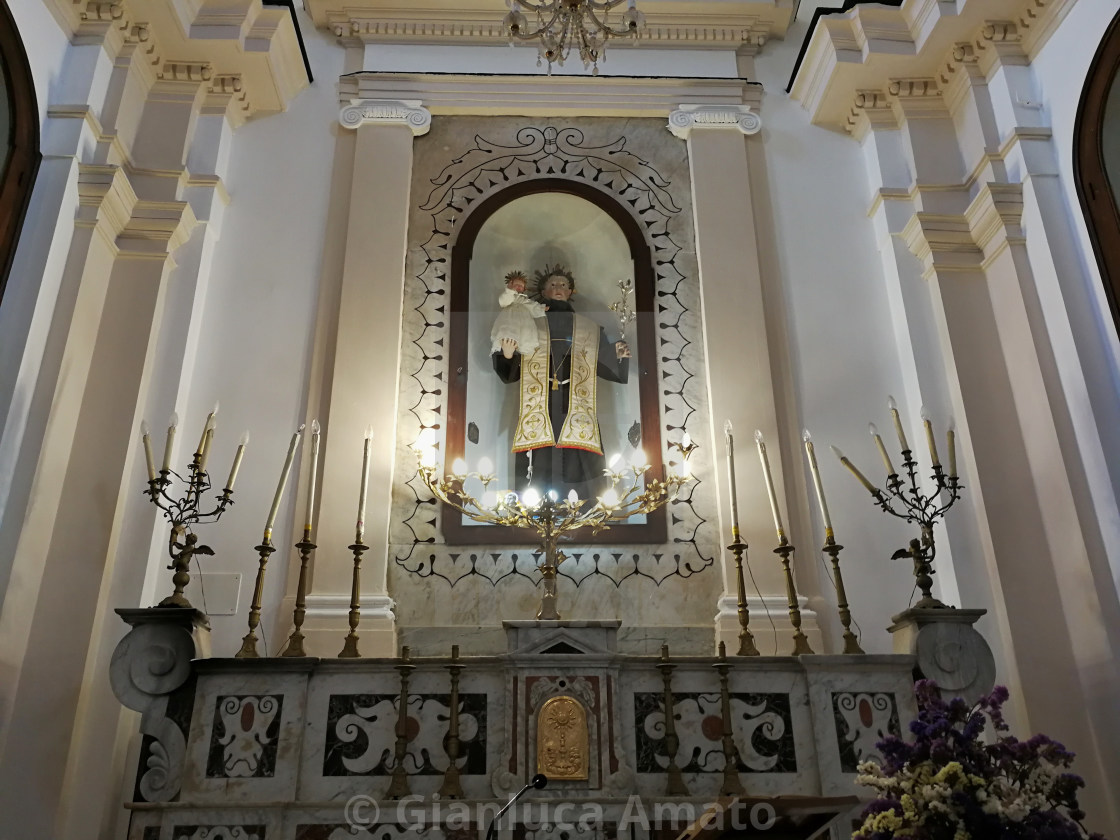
{"x": 739, "y": 342}
{"x": 363, "y": 382}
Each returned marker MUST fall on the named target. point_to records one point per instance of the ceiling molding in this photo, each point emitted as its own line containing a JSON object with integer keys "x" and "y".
{"x": 255, "y": 43}
{"x": 454, "y": 93}
{"x": 678, "y": 24}
{"x": 868, "y": 46}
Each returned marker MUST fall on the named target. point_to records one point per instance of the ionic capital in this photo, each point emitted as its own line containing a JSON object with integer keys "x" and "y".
{"x": 686, "y": 118}
{"x": 409, "y": 112}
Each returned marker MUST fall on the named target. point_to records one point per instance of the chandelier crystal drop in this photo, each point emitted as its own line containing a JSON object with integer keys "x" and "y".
{"x": 565, "y": 25}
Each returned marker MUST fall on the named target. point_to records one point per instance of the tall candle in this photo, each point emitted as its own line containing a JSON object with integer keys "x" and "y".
{"x": 769, "y": 483}
{"x": 207, "y": 442}
{"x": 315, "y": 428}
{"x": 146, "y": 437}
{"x": 281, "y": 484}
{"x": 952, "y": 440}
{"x": 206, "y": 427}
{"x": 929, "y": 436}
{"x": 815, "y": 470}
{"x": 170, "y": 440}
{"x": 730, "y": 438}
{"x": 893, "y": 406}
{"x": 871, "y": 488}
{"x": 882, "y": 449}
{"x": 361, "y": 529}
{"x": 236, "y": 462}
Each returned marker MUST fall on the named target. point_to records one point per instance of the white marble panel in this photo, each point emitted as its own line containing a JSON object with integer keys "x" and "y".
{"x": 854, "y": 701}
{"x": 246, "y": 731}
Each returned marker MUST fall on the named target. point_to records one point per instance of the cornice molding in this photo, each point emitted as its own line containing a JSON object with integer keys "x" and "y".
{"x": 256, "y": 43}
{"x": 687, "y": 118}
{"x": 678, "y": 24}
{"x": 869, "y": 45}
{"x": 411, "y": 114}
{"x": 552, "y": 96}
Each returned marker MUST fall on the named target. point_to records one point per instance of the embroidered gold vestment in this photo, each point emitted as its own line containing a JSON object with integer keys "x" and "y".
{"x": 580, "y": 429}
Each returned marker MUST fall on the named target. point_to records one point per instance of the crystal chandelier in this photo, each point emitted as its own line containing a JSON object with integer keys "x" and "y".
{"x": 564, "y": 25}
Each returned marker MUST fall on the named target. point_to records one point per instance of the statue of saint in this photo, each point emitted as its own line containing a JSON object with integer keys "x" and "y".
{"x": 556, "y": 441}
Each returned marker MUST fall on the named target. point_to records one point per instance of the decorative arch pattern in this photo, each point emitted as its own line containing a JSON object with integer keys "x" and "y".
{"x": 474, "y": 175}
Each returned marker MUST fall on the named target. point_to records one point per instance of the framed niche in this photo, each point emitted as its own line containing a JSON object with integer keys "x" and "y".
{"x": 528, "y": 226}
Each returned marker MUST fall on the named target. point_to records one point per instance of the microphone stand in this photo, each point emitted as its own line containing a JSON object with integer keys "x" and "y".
{"x": 538, "y": 781}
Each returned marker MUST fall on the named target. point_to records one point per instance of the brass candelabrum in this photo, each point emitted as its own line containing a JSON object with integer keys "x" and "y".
{"x": 184, "y": 512}
{"x": 906, "y": 499}
{"x": 551, "y": 518}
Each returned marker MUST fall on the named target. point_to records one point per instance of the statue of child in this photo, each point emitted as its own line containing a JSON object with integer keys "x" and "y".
{"x": 515, "y": 320}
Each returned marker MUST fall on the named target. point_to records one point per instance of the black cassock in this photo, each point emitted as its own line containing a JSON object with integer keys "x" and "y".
{"x": 561, "y": 468}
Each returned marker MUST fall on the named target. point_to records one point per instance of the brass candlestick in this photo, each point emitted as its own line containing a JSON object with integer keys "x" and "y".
{"x": 851, "y": 643}
{"x": 914, "y": 505}
{"x": 183, "y": 513}
{"x": 732, "y": 784}
{"x": 398, "y": 787}
{"x": 674, "y": 785}
{"x": 350, "y": 644}
{"x": 451, "y": 789}
{"x": 294, "y": 647}
{"x": 800, "y": 640}
{"x": 249, "y": 642}
{"x": 746, "y": 638}
{"x": 550, "y": 517}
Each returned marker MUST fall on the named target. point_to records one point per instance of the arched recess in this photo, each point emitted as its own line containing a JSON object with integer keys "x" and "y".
{"x": 654, "y": 530}
{"x": 19, "y": 159}
{"x": 1096, "y": 150}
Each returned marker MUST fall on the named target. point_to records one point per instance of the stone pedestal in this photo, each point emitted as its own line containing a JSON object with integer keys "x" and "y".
{"x": 562, "y": 636}
{"x": 949, "y": 650}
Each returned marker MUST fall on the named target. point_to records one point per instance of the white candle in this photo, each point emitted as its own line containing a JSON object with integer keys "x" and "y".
{"x": 951, "y": 434}
{"x": 170, "y": 440}
{"x": 311, "y": 479}
{"x": 893, "y": 406}
{"x": 817, "y": 483}
{"x": 280, "y": 485}
{"x": 206, "y": 427}
{"x": 929, "y": 436}
{"x": 361, "y": 527}
{"x": 882, "y": 449}
{"x": 730, "y": 438}
{"x": 236, "y": 462}
{"x": 207, "y": 442}
{"x": 146, "y": 437}
{"x": 862, "y": 478}
{"x": 769, "y": 483}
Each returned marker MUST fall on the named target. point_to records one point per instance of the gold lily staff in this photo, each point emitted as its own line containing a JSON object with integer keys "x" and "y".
{"x": 315, "y": 428}
{"x": 871, "y": 488}
{"x": 361, "y": 526}
{"x": 769, "y": 483}
{"x": 281, "y": 484}
{"x": 815, "y": 470}
{"x": 893, "y": 406}
{"x": 730, "y": 439}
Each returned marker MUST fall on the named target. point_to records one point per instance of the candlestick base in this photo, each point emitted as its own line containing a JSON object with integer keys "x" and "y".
{"x": 851, "y": 643}
{"x": 350, "y": 644}
{"x": 294, "y": 646}
{"x": 249, "y": 642}
{"x": 746, "y": 638}
{"x": 801, "y": 645}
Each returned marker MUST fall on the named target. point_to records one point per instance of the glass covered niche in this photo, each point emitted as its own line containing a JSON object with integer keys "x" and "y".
{"x": 530, "y": 232}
